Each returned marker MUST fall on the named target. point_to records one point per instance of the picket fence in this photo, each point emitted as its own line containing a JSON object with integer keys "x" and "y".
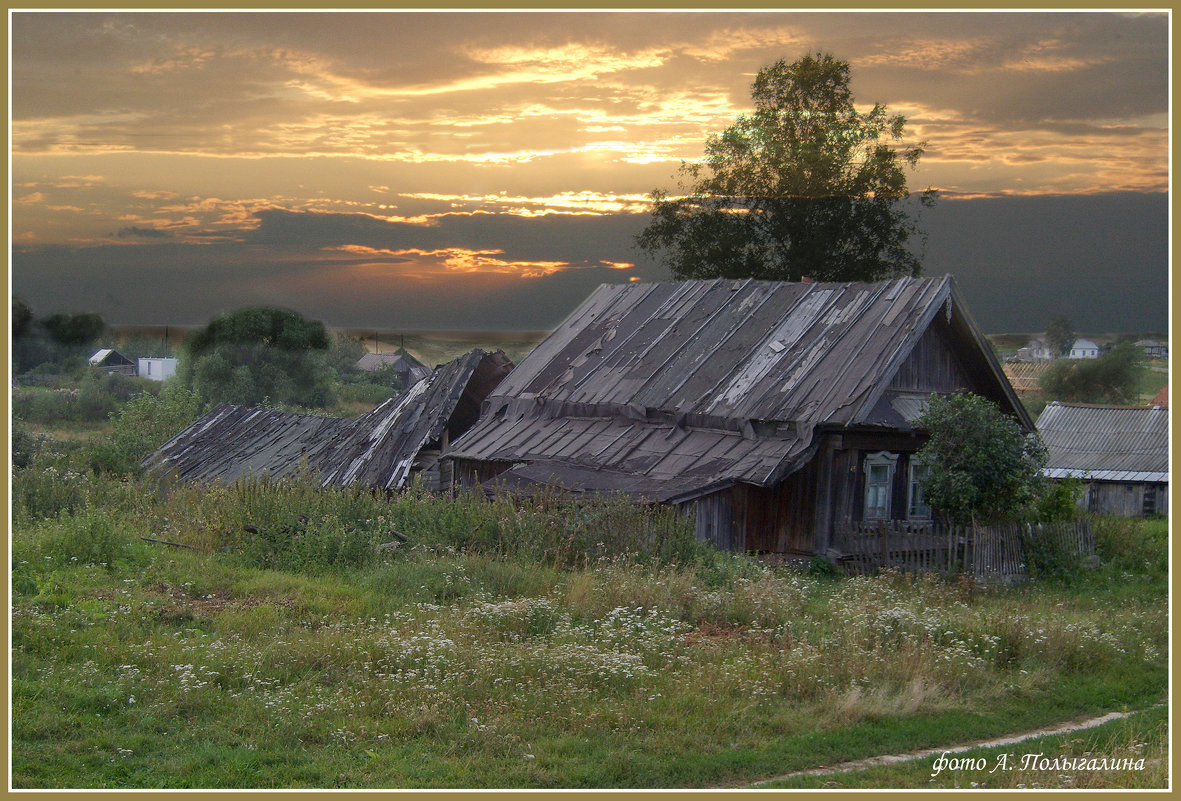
{"x": 988, "y": 553}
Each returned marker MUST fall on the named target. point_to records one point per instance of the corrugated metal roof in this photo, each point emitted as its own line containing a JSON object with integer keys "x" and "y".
{"x": 745, "y": 370}
{"x": 1106, "y": 442}
{"x": 376, "y": 450}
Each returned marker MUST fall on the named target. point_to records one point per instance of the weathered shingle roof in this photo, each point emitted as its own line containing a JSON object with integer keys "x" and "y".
{"x": 694, "y": 384}
{"x": 376, "y": 450}
{"x": 1105, "y": 442}
{"x": 382, "y": 446}
{"x": 233, "y": 442}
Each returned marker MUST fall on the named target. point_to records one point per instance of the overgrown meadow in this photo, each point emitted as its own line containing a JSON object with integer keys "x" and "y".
{"x": 271, "y": 634}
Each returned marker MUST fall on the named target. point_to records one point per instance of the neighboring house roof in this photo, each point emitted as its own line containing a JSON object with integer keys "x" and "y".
{"x": 375, "y": 450}
{"x": 107, "y": 357}
{"x": 405, "y": 365}
{"x": 1106, "y": 443}
{"x": 1084, "y": 344}
{"x": 672, "y": 390}
{"x": 1161, "y": 398}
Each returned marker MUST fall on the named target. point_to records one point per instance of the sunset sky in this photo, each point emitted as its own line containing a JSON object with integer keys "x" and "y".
{"x": 487, "y": 170}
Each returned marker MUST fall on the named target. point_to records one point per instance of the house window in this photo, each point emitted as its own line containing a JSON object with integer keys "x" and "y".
{"x": 917, "y": 508}
{"x": 879, "y": 481}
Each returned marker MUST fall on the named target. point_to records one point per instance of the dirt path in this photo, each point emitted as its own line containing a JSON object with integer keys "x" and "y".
{"x": 890, "y": 759}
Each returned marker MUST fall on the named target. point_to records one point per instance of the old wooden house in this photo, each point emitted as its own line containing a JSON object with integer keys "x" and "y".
{"x": 383, "y": 449}
{"x": 769, "y": 410}
{"x": 1120, "y": 453}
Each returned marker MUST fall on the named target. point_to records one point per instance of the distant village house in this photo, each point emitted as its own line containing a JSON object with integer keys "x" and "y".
{"x": 1120, "y": 453}
{"x": 405, "y": 367}
{"x": 1084, "y": 349}
{"x": 112, "y": 361}
{"x": 1154, "y": 349}
{"x": 1038, "y": 350}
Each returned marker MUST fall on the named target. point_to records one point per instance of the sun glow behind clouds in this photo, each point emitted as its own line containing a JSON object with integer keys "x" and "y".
{"x": 445, "y": 145}
{"x": 583, "y": 202}
{"x": 422, "y": 263}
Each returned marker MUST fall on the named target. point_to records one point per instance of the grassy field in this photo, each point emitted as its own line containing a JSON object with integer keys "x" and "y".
{"x": 157, "y": 642}
{"x": 543, "y": 645}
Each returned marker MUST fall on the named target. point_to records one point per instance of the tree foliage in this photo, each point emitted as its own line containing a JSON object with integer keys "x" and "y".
{"x": 74, "y": 329}
{"x": 142, "y": 425}
{"x": 1060, "y": 335}
{"x": 982, "y": 465}
{"x": 258, "y": 355}
{"x": 1111, "y": 378}
{"x": 22, "y": 318}
{"x": 807, "y": 185}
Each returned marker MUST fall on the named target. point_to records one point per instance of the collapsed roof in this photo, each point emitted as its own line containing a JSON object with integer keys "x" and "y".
{"x": 673, "y": 390}
{"x": 379, "y": 449}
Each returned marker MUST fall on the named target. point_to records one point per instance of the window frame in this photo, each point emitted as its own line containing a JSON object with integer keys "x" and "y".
{"x": 914, "y": 488}
{"x": 890, "y": 462}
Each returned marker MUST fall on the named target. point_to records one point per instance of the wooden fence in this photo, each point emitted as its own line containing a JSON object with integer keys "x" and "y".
{"x": 988, "y": 553}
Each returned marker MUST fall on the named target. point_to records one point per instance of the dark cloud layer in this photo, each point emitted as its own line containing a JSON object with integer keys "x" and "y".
{"x": 1102, "y": 260}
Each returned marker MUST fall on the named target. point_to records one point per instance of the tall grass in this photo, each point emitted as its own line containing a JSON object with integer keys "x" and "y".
{"x": 538, "y": 644}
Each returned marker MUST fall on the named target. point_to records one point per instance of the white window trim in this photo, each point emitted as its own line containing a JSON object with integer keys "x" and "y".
{"x": 879, "y": 459}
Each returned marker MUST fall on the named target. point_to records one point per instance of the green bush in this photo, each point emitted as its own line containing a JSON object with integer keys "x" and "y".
{"x": 310, "y": 545}
{"x": 258, "y": 354}
{"x": 1130, "y": 545}
{"x": 145, "y": 423}
{"x": 92, "y": 397}
{"x": 1050, "y": 557}
{"x": 90, "y": 537}
{"x": 1056, "y": 500}
{"x": 43, "y": 490}
{"x": 25, "y": 444}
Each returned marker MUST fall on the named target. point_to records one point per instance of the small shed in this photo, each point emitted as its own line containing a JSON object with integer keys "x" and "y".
{"x": 112, "y": 361}
{"x": 1084, "y": 349}
{"x": 1121, "y": 453}
{"x": 157, "y": 368}
{"x": 408, "y": 369}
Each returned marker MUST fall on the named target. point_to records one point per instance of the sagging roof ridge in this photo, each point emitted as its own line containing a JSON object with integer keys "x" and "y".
{"x": 508, "y": 407}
